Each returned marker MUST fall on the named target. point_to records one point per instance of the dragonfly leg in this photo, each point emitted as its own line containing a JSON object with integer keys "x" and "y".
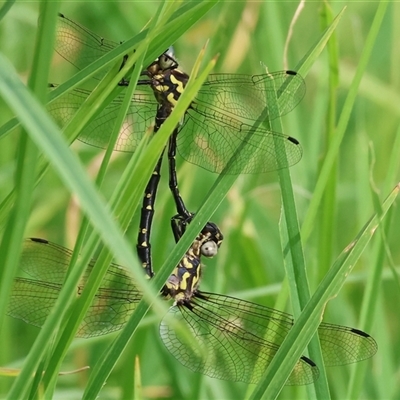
{"x": 179, "y": 224}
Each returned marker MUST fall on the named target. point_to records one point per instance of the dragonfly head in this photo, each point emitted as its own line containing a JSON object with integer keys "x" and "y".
{"x": 165, "y": 62}
{"x": 211, "y": 238}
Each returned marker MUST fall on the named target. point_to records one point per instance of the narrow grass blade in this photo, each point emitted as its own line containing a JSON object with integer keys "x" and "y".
{"x": 308, "y": 322}
{"x": 27, "y": 159}
{"x": 343, "y": 121}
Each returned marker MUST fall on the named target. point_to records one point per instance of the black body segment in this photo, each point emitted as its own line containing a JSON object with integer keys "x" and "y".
{"x": 143, "y": 245}
{"x": 173, "y": 179}
{"x": 165, "y": 90}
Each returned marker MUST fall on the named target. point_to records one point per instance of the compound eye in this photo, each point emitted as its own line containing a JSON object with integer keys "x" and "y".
{"x": 167, "y": 62}
{"x": 209, "y": 249}
{"x": 163, "y": 62}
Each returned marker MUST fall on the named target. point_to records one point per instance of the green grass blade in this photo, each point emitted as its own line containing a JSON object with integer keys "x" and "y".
{"x": 374, "y": 282}
{"x": 307, "y": 324}
{"x": 5, "y": 8}
{"x": 343, "y": 122}
{"x": 105, "y": 258}
{"x": 290, "y": 233}
{"x": 26, "y": 166}
{"x": 328, "y": 205}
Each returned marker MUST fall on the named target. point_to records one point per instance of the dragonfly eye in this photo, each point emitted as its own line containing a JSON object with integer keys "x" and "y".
{"x": 167, "y": 62}
{"x": 209, "y": 249}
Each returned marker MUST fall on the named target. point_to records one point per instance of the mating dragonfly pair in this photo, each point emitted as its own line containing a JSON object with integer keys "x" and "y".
{"x": 235, "y": 339}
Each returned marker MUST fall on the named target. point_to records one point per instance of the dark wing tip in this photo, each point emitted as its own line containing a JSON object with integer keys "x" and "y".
{"x": 38, "y": 240}
{"x": 308, "y": 361}
{"x": 61, "y": 15}
{"x": 360, "y": 333}
{"x": 290, "y": 72}
{"x": 308, "y": 376}
{"x": 293, "y": 140}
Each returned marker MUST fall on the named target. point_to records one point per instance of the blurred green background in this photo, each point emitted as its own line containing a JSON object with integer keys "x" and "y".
{"x": 249, "y": 36}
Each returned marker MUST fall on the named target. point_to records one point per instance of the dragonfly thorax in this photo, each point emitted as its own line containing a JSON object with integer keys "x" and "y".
{"x": 185, "y": 278}
{"x": 168, "y": 86}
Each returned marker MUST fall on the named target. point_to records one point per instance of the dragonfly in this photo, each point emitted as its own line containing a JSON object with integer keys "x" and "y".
{"x": 232, "y": 339}
{"x": 217, "y": 133}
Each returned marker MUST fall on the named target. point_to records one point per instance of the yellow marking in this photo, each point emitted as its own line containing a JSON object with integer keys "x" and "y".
{"x": 148, "y": 195}
{"x": 160, "y": 88}
{"x": 184, "y": 283}
{"x": 144, "y": 230}
{"x": 171, "y": 99}
{"x": 190, "y": 255}
{"x": 180, "y": 88}
{"x": 144, "y": 244}
{"x": 187, "y": 264}
{"x": 174, "y": 80}
{"x": 179, "y": 84}
{"x": 180, "y": 297}
{"x": 149, "y": 208}
{"x": 169, "y": 285}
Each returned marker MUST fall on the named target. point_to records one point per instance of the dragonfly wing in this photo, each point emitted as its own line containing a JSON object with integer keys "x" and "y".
{"x": 78, "y": 45}
{"x": 97, "y": 133}
{"x": 46, "y": 264}
{"x": 113, "y": 303}
{"x": 226, "y": 346}
{"x": 215, "y": 140}
{"x": 31, "y": 301}
{"x": 340, "y": 345}
{"x": 44, "y": 261}
{"x": 248, "y": 96}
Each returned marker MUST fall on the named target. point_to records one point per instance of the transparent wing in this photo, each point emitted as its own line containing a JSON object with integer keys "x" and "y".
{"x": 218, "y": 129}
{"x": 247, "y": 96}
{"x": 44, "y": 265}
{"x": 139, "y": 118}
{"x": 226, "y": 346}
{"x": 240, "y": 338}
{"x": 219, "y": 142}
{"x": 78, "y": 45}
